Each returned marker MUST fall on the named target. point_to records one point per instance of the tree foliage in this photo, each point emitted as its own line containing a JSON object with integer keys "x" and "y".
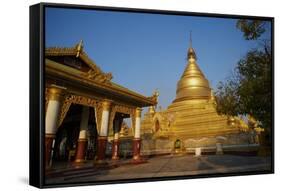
{"x": 252, "y": 29}
{"x": 249, "y": 89}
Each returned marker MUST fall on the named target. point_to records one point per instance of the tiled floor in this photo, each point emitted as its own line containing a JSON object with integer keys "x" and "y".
{"x": 160, "y": 166}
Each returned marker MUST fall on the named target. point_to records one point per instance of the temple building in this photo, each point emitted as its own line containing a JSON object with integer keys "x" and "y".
{"x": 191, "y": 123}
{"x": 84, "y": 108}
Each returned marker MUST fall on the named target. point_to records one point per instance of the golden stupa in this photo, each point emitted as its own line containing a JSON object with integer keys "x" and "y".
{"x": 191, "y": 121}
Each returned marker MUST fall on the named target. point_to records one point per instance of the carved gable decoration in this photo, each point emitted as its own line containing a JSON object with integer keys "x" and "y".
{"x": 76, "y": 58}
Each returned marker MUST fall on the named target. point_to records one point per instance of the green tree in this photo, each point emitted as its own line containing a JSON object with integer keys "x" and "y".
{"x": 249, "y": 89}
{"x": 252, "y": 29}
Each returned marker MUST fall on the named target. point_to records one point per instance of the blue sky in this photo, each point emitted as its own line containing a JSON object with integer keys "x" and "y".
{"x": 145, "y": 52}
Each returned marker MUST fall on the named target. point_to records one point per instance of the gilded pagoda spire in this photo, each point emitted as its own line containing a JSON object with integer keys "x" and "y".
{"x": 191, "y": 52}
{"x": 193, "y": 84}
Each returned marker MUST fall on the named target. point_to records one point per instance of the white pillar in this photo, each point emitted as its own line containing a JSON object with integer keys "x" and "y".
{"x": 52, "y": 116}
{"x": 84, "y": 123}
{"x": 105, "y": 118}
{"x": 55, "y": 96}
{"x": 138, "y": 123}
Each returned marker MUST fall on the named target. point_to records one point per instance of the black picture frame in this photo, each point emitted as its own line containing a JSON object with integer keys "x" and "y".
{"x": 37, "y": 92}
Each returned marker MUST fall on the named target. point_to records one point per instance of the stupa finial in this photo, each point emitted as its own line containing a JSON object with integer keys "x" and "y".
{"x": 191, "y": 52}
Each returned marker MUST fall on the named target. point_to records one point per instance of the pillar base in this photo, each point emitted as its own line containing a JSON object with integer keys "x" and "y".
{"x": 79, "y": 161}
{"x": 81, "y": 151}
{"x": 115, "y": 158}
{"x": 137, "y": 159}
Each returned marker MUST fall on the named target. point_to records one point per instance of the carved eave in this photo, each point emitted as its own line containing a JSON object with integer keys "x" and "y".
{"x": 78, "y": 52}
{"x": 80, "y": 80}
{"x": 148, "y": 100}
{"x": 60, "y": 51}
{"x": 93, "y": 78}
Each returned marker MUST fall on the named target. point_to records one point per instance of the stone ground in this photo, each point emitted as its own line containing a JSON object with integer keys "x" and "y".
{"x": 159, "y": 166}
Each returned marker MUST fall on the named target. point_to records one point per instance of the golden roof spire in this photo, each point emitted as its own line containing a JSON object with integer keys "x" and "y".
{"x": 79, "y": 48}
{"x": 193, "y": 84}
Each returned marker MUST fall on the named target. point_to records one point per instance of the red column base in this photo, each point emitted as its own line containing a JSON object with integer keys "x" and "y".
{"x": 115, "y": 149}
{"x": 102, "y": 141}
{"x": 137, "y": 159}
{"x": 48, "y": 149}
{"x": 81, "y": 151}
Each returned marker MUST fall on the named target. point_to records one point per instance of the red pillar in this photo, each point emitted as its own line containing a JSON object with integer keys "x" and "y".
{"x": 102, "y": 140}
{"x": 81, "y": 150}
{"x": 136, "y": 150}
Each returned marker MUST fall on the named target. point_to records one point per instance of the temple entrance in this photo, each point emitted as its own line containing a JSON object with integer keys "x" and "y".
{"x": 67, "y": 137}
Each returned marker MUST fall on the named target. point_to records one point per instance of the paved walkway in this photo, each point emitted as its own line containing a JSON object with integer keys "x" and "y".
{"x": 158, "y": 167}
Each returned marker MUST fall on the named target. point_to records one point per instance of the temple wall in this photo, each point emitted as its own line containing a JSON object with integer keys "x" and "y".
{"x": 242, "y": 142}
{"x": 156, "y": 146}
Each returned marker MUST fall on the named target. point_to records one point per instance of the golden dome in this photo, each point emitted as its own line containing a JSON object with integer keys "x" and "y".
{"x": 193, "y": 84}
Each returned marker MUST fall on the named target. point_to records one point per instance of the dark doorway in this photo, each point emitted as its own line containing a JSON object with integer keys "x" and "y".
{"x": 68, "y": 133}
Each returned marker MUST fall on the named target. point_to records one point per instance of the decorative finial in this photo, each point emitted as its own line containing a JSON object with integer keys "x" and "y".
{"x": 191, "y": 52}
{"x": 79, "y": 48}
{"x": 156, "y": 95}
{"x": 156, "y": 92}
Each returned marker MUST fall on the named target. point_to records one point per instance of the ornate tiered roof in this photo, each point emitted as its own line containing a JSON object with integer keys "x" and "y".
{"x": 72, "y": 66}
